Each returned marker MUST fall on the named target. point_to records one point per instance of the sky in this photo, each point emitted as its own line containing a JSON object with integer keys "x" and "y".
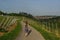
{"x": 34, "y": 7}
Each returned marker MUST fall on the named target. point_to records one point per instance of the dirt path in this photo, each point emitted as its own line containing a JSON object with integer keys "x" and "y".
{"x": 34, "y": 35}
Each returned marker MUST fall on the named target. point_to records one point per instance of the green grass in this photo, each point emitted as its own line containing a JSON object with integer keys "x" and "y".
{"x": 13, "y": 34}
{"x": 1, "y": 17}
{"x": 45, "y": 34}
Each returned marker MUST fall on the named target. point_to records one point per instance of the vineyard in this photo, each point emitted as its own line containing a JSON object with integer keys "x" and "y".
{"x": 8, "y": 27}
{"x": 5, "y": 22}
{"x": 49, "y": 28}
{"x": 52, "y": 25}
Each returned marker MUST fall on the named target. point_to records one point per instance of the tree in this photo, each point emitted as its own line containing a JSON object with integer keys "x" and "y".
{"x": 1, "y": 12}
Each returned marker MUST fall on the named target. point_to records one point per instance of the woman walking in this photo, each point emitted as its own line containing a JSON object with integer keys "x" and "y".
{"x": 27, "y": 30}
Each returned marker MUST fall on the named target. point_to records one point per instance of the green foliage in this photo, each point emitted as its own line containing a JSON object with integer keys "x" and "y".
{"x": 46, "y": 35}
{"x": 13, "y": 34}
{"x": 1, "y": 13}
{"x": 3, "y": 30}
{"x": 1, "y": 18}
{"x": 17, "y": 14}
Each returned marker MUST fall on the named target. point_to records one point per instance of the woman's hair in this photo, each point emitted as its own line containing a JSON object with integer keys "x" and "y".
{"x": 26, "y": 22}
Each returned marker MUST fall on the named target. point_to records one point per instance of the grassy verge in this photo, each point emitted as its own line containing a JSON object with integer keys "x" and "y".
{"x": 46, "y": 35}
{"x": 12, "y": 35}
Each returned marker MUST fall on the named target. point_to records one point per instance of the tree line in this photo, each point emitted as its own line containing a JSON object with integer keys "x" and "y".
{"x": 17, "y": 14}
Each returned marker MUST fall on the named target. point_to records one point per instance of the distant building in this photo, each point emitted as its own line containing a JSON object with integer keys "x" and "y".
{"x": 43, "y": 17}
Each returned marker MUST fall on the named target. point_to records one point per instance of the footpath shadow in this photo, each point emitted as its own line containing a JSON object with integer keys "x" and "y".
{"x": 29, "y": 32}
